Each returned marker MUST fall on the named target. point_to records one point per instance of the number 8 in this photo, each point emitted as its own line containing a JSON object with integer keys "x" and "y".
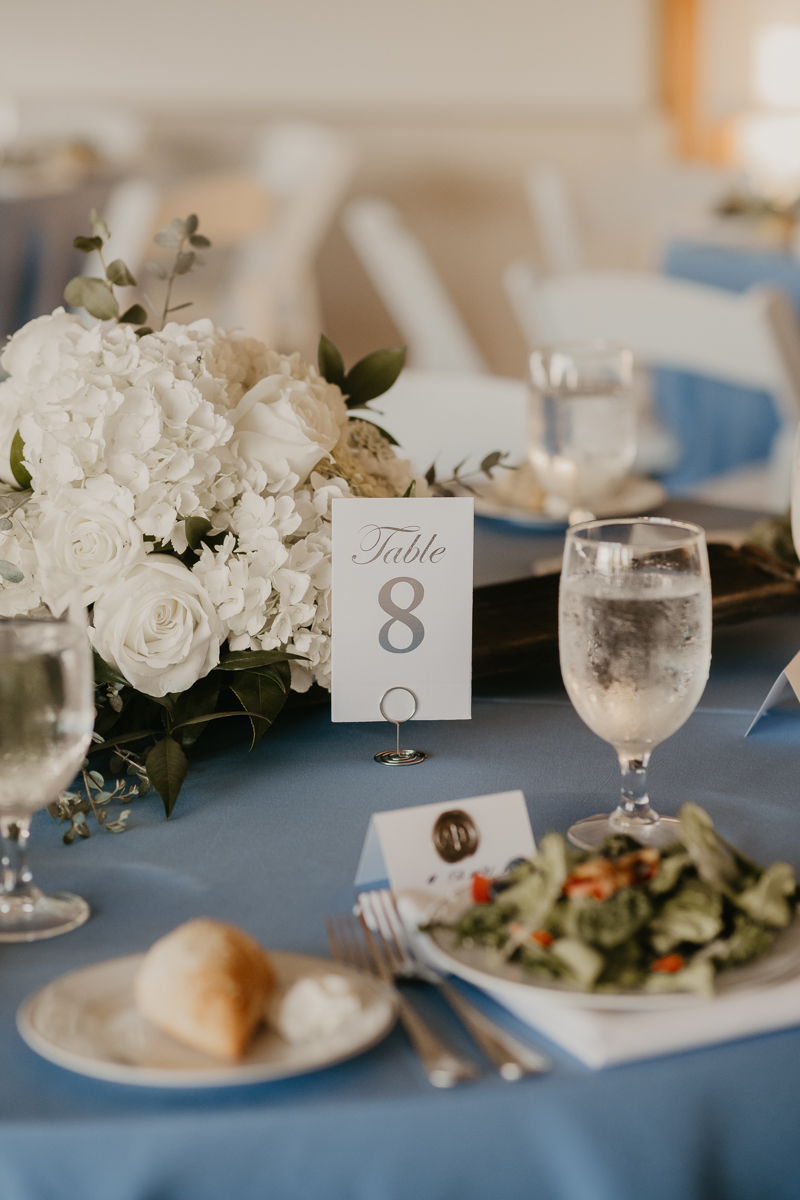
{"x": 403, "y": 615}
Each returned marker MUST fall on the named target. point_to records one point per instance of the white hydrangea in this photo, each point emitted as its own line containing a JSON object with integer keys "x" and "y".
{"x": 126, "y": 438}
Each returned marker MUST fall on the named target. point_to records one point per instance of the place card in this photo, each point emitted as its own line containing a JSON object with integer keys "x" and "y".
{"x": 401, "y": 596}
{"x": 789, "y": 677}
{"x": 441, "y": 846}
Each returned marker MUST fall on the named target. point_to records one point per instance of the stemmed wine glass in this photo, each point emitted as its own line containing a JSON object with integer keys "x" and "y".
{"x": 634, "y": 634}
{"x": 582, "y": 427}
{"x": 46, "y": 718}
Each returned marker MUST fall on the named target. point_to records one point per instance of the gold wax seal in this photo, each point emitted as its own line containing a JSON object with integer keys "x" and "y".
{"x": 455, "y": 836}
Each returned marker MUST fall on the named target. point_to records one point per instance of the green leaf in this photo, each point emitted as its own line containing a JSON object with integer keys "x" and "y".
{"x": 5, "y": 523}
{"x": 184, "y": 262}
{"x": 9, "y": 572}
{"x": 171, "y": 235}
{"x": 18, "y": 468}
{"x": 85, "y": 291}
{"x": 177, "y": 307}
{"x": 411, "y": 490}
{"x": 103, "y": 673}
{"x": 373, "y": 375}
{"x": 385, "y": 434}
{"x": 430, "y": 475}
{"x": 157, "y": 269}
{"x": 331, "y": 363}
{"x": 135, "y": 315}
{"x": 166, "y": 767}
{"x": 199, "y": 700}
{"x": 122, "y": 739}
{"x": 196, "y": 529}
{"x": 87, "y": 244}
{"x": 99, "y": 227}
{"x": 490, "y": 461}
{"x": 191, "y": 224}
{"x": 458, "y": 466}
{"x": 118, "y": 273}
{"x": 198, "y": 240}
{"x": 145, "y": 329}
{"x": 260, "y": 694}
{"x": 250, "y": 660}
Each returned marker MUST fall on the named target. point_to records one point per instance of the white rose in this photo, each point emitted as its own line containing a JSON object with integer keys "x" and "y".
{"x": 158, "y": 627}
{"x": 285, "y": 425}
{"x": 88, "y": 542}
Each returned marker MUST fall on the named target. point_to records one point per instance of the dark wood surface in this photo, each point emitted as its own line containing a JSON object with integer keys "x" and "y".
{"x": 515, "y": 625}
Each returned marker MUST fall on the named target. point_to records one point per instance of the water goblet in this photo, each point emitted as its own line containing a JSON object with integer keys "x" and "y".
{"x": 46, "y": 719}
{"x": 634, "y": 633}
{"x": 582, "y": 427}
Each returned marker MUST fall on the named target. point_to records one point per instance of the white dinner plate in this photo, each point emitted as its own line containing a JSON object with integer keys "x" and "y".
{"x": 479, "y": 966}
{"x": 87, "y": 1021}
{"x": 637, "y": 496}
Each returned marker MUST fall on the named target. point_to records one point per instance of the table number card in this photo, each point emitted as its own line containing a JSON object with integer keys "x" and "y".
{"x": 402, "y": 606}
{"x": 441, "y": 846}
{"x": 789, "y": 677}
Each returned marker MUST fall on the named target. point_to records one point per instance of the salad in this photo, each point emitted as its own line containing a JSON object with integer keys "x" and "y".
{"x": 629, "y": 917}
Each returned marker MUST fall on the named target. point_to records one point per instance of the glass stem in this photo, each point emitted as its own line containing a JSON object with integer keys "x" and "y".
{"x": 16, "y": 874}
{"x": 634, "y": 804}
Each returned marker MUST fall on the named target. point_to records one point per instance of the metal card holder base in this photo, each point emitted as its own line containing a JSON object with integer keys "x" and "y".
{"x": 398, "y": 757}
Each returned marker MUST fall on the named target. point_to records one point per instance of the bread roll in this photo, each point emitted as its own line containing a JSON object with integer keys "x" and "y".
{"x": 206, "y": 983}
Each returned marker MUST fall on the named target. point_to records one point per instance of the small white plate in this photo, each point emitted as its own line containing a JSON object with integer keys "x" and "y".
{"x": 638, "y": 495}
{"x": 87, "y": 1021}
{"x": 479, "y": 966}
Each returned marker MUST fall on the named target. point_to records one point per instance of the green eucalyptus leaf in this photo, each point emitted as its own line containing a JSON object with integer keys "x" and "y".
{"x": 166, "y": 767}
{"x": 199, "y": 241}
{"x": 331, "y": 363}
{"x": 430, "y": 474}
{"x": 262, "y": 697}
{"x": 169, "y": 237}
{"x": 411, "y": 490}
{"x": 156, "y": 269}
{"x": 373, "y": 375}
{"x": 103, "y": 673}
{"x": 118, "y": 273}
{"x": 87, "y": 244}
{"x": 491, "y": 460}
{"x": 184, "y": 262}
{"x": 191, "y": 224}
{"x": 99, "y": 227}
{"x": 251, "y": 660}
{"x": 16, "y": 457}
{"x": 5, "y": 523}
{"x": 135, "y": 315}
{"x": 145, "y": 329}
{"x": 95, "y": 295}
{"x": 10, "y": 573}
{"x": 196, "y": 529}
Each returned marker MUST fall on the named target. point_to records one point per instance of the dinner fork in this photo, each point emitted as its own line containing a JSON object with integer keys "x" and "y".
{"x": 442, "y": 1065}
{"x": 511, "y": 1057}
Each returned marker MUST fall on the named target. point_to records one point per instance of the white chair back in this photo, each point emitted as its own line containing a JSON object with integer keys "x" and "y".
{"x": 549, "y": 201}
{"x": 414, "y": 296}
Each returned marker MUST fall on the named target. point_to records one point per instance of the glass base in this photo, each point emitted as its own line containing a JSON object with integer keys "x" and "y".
{"x": 28, "y": 919}
{"x": 591, "y": 832}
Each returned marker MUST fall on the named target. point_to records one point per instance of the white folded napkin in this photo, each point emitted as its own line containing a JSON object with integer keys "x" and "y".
{"x": 601, "y": 1038}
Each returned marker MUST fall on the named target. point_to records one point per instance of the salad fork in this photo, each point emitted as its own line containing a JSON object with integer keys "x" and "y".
{"x": 442, "y": 1065}
{"x": 511, "y": 1057}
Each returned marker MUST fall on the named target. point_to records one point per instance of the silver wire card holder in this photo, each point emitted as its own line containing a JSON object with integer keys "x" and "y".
{"x": 398, "y": 757}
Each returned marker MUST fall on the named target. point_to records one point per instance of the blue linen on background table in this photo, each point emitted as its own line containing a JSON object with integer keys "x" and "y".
{"x": 271, "y": 841}
{"x": 719, "y": 426}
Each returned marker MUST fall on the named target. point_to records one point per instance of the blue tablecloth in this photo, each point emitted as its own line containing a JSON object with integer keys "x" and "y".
{"x": 271, "y": 841}
{"x": 719, "y": 426}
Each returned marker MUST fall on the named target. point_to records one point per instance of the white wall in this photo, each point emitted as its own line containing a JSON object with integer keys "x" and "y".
{"x": 300, "y": 54}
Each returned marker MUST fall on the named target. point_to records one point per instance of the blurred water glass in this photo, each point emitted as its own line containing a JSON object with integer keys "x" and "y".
{"x": 582, "y": 430}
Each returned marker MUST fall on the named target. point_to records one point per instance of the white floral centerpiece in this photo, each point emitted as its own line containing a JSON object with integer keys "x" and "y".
{"x": 183, "y": 476}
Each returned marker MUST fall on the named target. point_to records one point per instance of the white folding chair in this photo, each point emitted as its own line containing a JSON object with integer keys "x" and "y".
{"x": 751, "y": 339}
{"x": 272, "y": 292}
{"x": 405, "y": 280}
{"x": 554, "y": 218}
